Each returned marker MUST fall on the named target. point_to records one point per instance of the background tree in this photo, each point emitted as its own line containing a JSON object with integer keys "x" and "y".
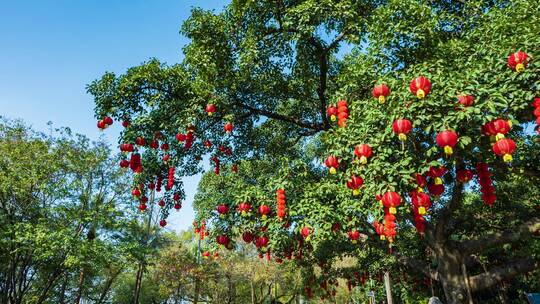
{"x": 269, "y": 71}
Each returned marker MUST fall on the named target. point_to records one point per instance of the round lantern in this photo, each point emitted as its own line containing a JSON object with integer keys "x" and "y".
{"x": 391, "y": 200}
{"x": 363, "y": 152}
{"x": 332, "y": 163}
{"x": 354, "y": 184}
{"x": 380, "y": 92}
{"x": 518, "y": 61}
{"x": 402, "y": 127}
{"x": 420, "y": 87}
{"x": 447, "y": 139}
{"x": 505, "y": 148}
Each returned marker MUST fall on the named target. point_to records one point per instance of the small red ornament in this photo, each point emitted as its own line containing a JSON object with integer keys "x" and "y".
{"x": 420, "y": 87}
{"x": 363, "y": 152}
{"x": 380, "y": 92}
{"x": 210, "y": 109}
{"x": 518, "y": 61}
{"x": 447, "y": 139}
{"x": 354, "y": 184}
{"x": 505, "y": 148}
{"x": 391, "y": 200}
{"x": 402, "y": 127}
{"x": 332, "y": 163}
{"x": 264, "y": 211}
{"x": 163, "y": 223}
{"x": 464, "y": 176}
{"x": 466, "y": 100}
{"x": 228, "y": 127}
{"x": 332, "y": 112}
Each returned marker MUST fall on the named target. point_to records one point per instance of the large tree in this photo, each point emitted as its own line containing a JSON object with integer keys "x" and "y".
{"x": 269, "y": 72}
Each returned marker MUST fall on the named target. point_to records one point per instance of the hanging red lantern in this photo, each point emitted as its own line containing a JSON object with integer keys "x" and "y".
{"x": 466, "y": 100}
{"x": 363, "y": 152}
{"x": 464, "y": 176}
{"x": 154, "y": 144}
{"x": 332, "y": 163}
{"x": 380, "y": 92}
{"x": 124, "y": 163}
{"x": 139, "y": 141}
{"x": 125, "y": 123}
{"x": 498, "y": 128}
{"x": 354, "y": 184}
{"x": 210, "y": 109}
{"x": 391, "y": 200}
{"x": 379, "y": 229}
{"x": 280, "y": 200}
{"x": 402, "y": 127}
{"x": 343, "y": 113}
{"x": 436, "y": 189}
{"x": 354, "y": 235}
{"x": 305, "y": 231}
{"x": 420, "y": 181}
{"x": 420, "y": 87}
{"x": 505, "y": 148}
{"x": 247, "y": 237}
{"x": 447, "y": 139}
{"x": 420, "y": 201}
{"x": 222, "y": 240}
{"x": 136, "y": 192}
{"x": 108, "y": 121}
{"x": 244, "y": 208}
{"x": 222, "y": 209}
{"x": 261, "y": 242}
{"x": 142, "y": 207}
{"x": 228, "y": 127}
{"x": 436, "y": 174}
{"x": 163, "y": 223}
{"x": 177, "y": 206}
{"x": 332, "y": 112}
{"x": 264, "y": 211}
{"x": 135, "y": 163}
{"x": 161, "y": 203}
{"x": 518, "y": 61}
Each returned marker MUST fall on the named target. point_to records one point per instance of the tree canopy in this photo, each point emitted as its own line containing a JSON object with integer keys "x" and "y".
{"x": 450, "y": 177}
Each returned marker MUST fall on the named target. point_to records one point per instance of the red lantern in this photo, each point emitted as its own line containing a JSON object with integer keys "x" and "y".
{"x": 142, "y": 207}
{"x": 420, "y": 201}
{"x": 210, "y": 109}
{"x": 420, "y": 87}
{"x": 222, "y": 210}
{"x": 305, "y": 232}
{"x": 505, "y": 148}
{"x": 380, "y": 92}
{"x": 228, "y": 127}
{"x": 402, "y": 127}
{"x": 332, "y": 163}
{"x": 343, "y": 113}
{"x": 244, "y": 208}
{"x": 261, "y": 242}
{"x": 363, "y": 152}
{"x": 436, "y": 174}
{"x": 139, "y": 141}
{"x": 332, "y": 112}
{"x": 177, "y": 206}
{"x": 466, "y": 100}
{"x": 280, "y": 199}
{"x": 379, "y": 229}
{"x": 391, "y": 200}
{"x": 436, "y": 189}
{"x": 354, "y": 235}
{"x": 222, "y": 240}
{"x": 125, "y": 123}
{"x": 124, "y": 163}
{"x": 163, "y": 223}
{"x": 447, "y": 139}
{"x": 247, "y": 237}
{"x": 464, "y": 176}
{"x": 264, "y": 210}
{"x": 354, "y": 184}
{"x": 518, "y": 61}
{"x": 108, "y": 121}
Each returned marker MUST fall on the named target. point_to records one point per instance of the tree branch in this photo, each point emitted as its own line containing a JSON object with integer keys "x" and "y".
{"x": 273, "y": 115}
{"x": 505, "y": 272}
{"x": 417, "y": 265}
{"x": 336, "y": 41}
{"x": 499, "y": 238}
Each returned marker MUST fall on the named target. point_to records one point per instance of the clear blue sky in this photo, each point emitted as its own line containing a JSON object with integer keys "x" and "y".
{"x": 50, "y": 50}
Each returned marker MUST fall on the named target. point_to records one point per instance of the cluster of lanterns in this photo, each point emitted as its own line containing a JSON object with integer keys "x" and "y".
{"x": 497, "y": 129}
{"x": 339, "y": 112}
{"x": 486, "y": 184}
{"x": 280, "y": 201}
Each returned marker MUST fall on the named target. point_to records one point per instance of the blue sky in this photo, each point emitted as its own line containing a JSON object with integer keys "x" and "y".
{"x": 50, "y": 50}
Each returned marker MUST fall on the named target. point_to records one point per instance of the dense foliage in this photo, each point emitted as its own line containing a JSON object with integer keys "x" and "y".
{"x": 252, "y": 98}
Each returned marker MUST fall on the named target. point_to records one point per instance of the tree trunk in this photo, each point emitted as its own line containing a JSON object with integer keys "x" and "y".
{"x": 107, "y": 287}
{"x": 138, "y": 279}
{"x": 62, "y": 299}
{"x": 80, "y": 285}
{"x": 451, "y": 276}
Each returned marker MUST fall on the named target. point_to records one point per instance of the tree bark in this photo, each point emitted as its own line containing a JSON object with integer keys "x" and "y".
{"x": 388, "y": 287}
{"x": 138, "y": 279}
{"x": 80, "y": 285}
